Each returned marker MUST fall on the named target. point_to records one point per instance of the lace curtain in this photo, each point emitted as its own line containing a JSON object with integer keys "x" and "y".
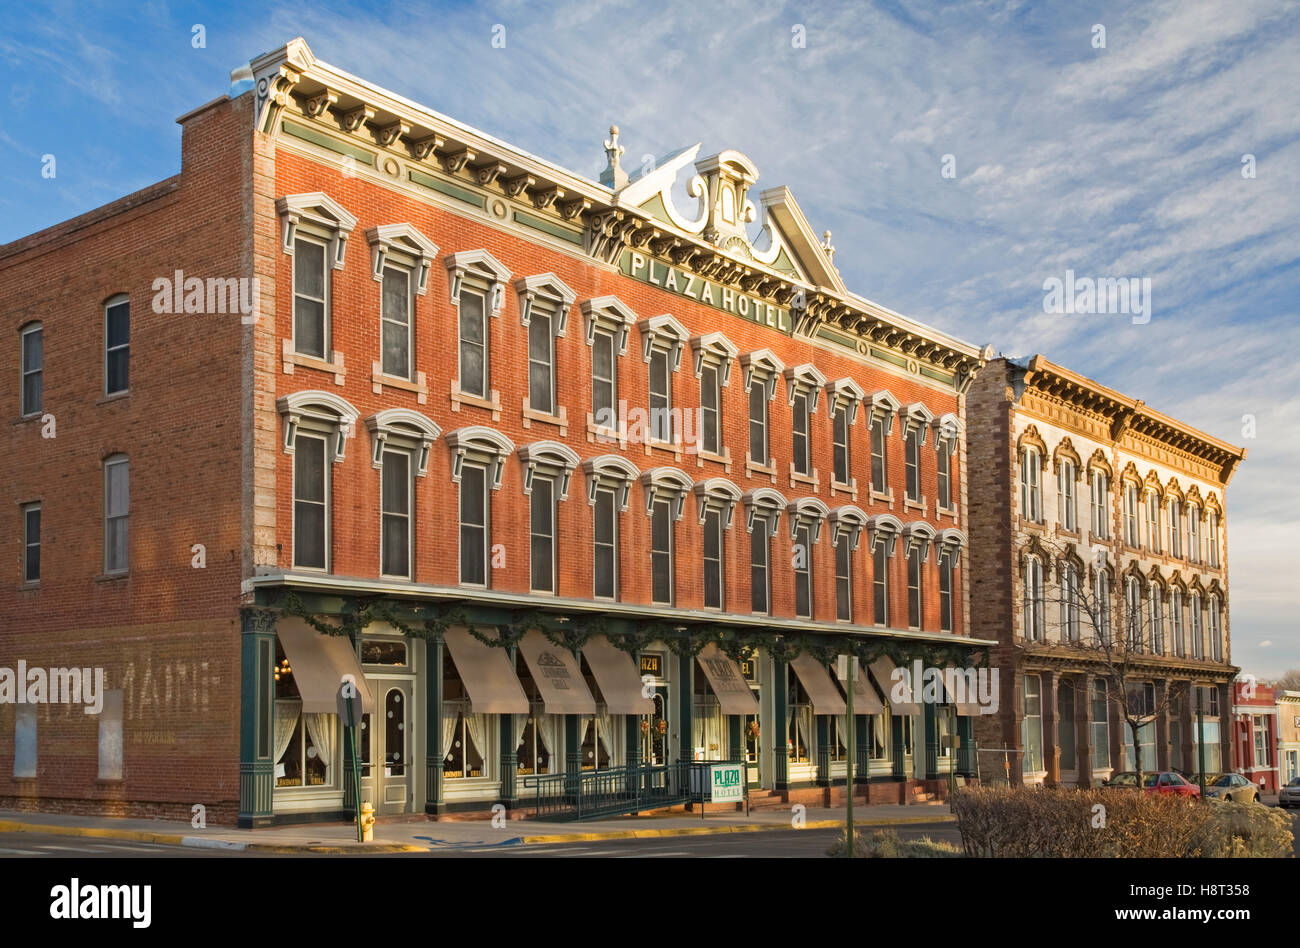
{"x": 286, "y": 719}
{"x": 320, "y": 727}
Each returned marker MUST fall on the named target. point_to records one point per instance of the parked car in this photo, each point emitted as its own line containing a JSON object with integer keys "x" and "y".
{"x": 1165, "y": 781}
{"x": 1232, "y": 787}
{"x": 1168, "y": 781}
{"x": 1289, "y": 795}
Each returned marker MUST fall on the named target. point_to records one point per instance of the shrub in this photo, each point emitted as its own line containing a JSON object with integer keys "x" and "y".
{"x": 1061, "y": 823}
{"x": 886, "y": 844}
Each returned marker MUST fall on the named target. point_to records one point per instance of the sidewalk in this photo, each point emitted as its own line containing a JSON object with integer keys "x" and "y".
{"x": 420, "y": 835}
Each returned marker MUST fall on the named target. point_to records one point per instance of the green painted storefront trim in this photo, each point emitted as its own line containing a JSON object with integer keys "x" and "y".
{"x": 447, "y": 188}
{"x": 936, "y": 374}
{"x": 547, "y": 227}
{"x": 885, "y": 355}
{"x": 325, "y": 141}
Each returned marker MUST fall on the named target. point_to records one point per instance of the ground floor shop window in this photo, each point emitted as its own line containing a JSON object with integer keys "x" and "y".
{"x": 654, "y": 730}
{"x": 464, "y": 743}
{"x": 878, "y": 728}
{"x": 799, "y": 721}
{"x": 305, "y": 744}
{"x": 536, "y": 751}
{"x": 752, "y": 734}
{"x": 1031, "y": 725}
{"x": 1213, "y": 755}
{"x": 839, "y": 728}
{"x": 597, "y": 742}
{"x": 1146, "y": 735}
{"x": 943, "y": 722}
{"x": 1100, "y": 727}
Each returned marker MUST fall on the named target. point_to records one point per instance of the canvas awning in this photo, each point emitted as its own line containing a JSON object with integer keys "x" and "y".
{"x": 826, "y": 698}
{"x": 617, "y": 676}
{"x": 968, "y": 689}
{"x": 319, "y": 663}
{"x": 882, "y": 669}
{"x": 557, "y": 675}
{"x": 488, "y": 676}
{"x": 733, "y": 692}
{"x": 865, "y": 699}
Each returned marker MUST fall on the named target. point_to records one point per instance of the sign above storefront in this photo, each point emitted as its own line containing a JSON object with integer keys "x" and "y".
{"x": 724, "y": 298}
{"x": 652, "y": 663}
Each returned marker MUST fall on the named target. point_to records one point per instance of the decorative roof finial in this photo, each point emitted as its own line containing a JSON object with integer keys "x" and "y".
{"x": 828, "y": 247}
{"x": 613, "y": 176}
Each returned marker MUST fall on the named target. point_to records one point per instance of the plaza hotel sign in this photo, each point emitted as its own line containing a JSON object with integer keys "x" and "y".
{"x": 724, "y": 298}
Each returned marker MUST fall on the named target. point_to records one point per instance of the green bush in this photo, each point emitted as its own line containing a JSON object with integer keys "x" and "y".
{"x": 1061, "y": 823}
{"x": 886, "y": 844}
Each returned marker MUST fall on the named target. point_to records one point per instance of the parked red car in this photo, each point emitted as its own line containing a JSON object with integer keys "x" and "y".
{"x": 1166, "y": 781}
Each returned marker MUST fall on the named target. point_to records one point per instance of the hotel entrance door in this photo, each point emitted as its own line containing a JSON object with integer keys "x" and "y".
{"x": 386, "y": 739}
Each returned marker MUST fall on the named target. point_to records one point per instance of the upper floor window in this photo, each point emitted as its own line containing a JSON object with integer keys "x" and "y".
{"x": 117, "y": 508}
{"x": 1175, "y": 527}
{"x": 804, "y": 383}
{"x": 662, "y": 341}
{"x": 544, "y": 303}
{"x": 117, "y": 345}
{"x": 604, "y": 380}
{"x": 1176, "y": 620}
{"x": 943, "y": 461}
{"x": 713, "y": 355}
{"x": 1031, "y": 484}
{"x": 1194, "y": 625}
{"x": 1100, "y": 526}
{"x": 1193, "y": 534}
{"x": 1212, "y": 538}
{"x": 882, "y": 406}
{"x": 1153, "y": 521}
{"x": 1033, "y": 609}
{"x": 661, "y": 551}
{"x": 840, "y": 436}
{"x": 803, "y": 593}
{"x": 477, "y": 281}
{"x": 880, "y": 582}
{"x": 478, "y": 462}
{"x": 761, "y": 369}
{"x": 401, "y": 257}
{"x": 605, "y": 549}
{"x": 1133, "y": 613}
{"x": 310, "y": 501}
{"x": 31, "y": 543}
{"x": 915, "y": 590}
{"x": 714, "y": 560}
{"x": 945, "y": 593}
{"x": 916, "y": 420}
{"x": 1066, "y": 476}
{"x": 1070, "y": 597}
{"x": 315, "y": 233}
{"x": 759, "y": 572}
{"x": 1156, "y": 615}
{"x": 879, "y": 478}
{"x": 541, "y": 534}
{"x": 1102, "y": 607}
{"x": 33, "y": 368}
{"x": 1216, "y": 637}
{"x": 843, "y": 578}
{"x": 395, "y": 514}
{"x": 1131, "y": 503}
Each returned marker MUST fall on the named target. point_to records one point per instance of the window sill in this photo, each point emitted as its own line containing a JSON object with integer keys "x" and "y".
{"x": 492, "y": 403}
{"x": 752, "y": 468}
{"x": 112, "y": 577}
{"x": 27, "y": 419}
{"x": 560, "y": 419}
{"x": 724, "y": 458}
{"x": 31, "y": 586}
{"x": 114, "y": 397}
{"x": 910, "y": 504}
{"x": 884, "y": 497}
{"x": 671, "y": 447}
{"x": 1072, "y": 534}
{"x": 604, "y": 433}
{"x": 950, "y": 512}
{"x": 290, "y": 359}
{"x": 851, "y": 488}
{"x": 379, "y": 379}
{"x": 805, "y": 480}
{"x": 109, "y": 783}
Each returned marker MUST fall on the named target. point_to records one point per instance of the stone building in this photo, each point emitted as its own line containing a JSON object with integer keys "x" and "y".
{"x": 1100, "y": 566}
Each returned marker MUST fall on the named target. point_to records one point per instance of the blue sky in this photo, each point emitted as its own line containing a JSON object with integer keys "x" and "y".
{"x": 1122, "y": 161}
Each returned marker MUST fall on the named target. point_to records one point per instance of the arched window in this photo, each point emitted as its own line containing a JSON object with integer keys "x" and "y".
{"x": 1156, "y": 611}
{"x": 1031, "y": 484}
{"x": 1070, "y": 598}
{"x": 1194, "y": 625}
{"x": 1133, "y": 613}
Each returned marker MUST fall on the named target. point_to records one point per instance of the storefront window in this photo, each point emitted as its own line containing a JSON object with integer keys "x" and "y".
{"x": 1031, "y": 735}
{"x": 708, "y": 726}
{"x": 464, "y": 735}
{"x": 878, "y": 728}
{"x": 596, "y": 742}
{"x": 305, "y": 744}
{"x": 1100, "y": 726}
{"x": 799, "y": 724}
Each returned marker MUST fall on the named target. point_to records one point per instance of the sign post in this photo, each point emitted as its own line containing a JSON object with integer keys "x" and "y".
{"x": 349, "y": 707}
{"x": 845, "y": 669}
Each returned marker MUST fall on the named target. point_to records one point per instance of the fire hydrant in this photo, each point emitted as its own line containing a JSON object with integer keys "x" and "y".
{"x": 367, "y": 822}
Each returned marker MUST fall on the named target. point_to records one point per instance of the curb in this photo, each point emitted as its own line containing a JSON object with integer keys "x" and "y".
{"x": 729, "y": 828}
{"x": 138, "y": 836}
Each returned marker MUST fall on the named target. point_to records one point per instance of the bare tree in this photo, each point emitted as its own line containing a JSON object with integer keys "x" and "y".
{"x": 1115, "y": 628}
{"x": 1290, "y": 680}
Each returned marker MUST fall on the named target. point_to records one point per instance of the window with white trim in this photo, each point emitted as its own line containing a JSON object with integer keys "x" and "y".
{"x": 661, "y": 397}
{"x": 474, "y": 507}
{"x": 1216, "y": 636}
{"x": 915, "y": 590}
{"x": 1156, "y": 613}
{"x": 803, "y": 554}
{"x": 714, "y": 559}
{"x": 1069, "y": 514}
{"x": 1212, "y": 538}
{"x": 541, "y": 533}
{"x": 311, "y": 298}
{"x": 879, "y": 477}
{"x": 1193, "y": 533}
{"x": 759, "y": 565}
{"x": 758, "y": 424}
{"x": 843, "y": 578}
{"x": 117, "y": 508}
{"x": 398, "y": 352}
{"x": 913, "y": 463}
{"x": 1175, "y": 527}
{"x": 605, "y": 544}
{"x": 117, "y": 345}
{"x": 1133, "y": 613}
{"x": 1070, "y": 595}
{"x": 604, "y": 379}
{"x": 1101, "y": 592}
{"x": 1031, "y": 484}
{"x": 395, "y": 516}
{"x": 1031, "y": 734}
{"x": 1194, "y": 625}
{"x": 802, "y": 459}
{"x": 32, "y": 344}
{"x": 880, "y": 582}
{"x": 477, "y": 282}
{"x": 544, "y": 302}
{"x": 840, "y": 431}
{"x": 661, "y": 551}
{"x": 1176, "y": 618}
{"x": 473, "y": 365}
{"x": 710, "y": 410}
{"x": 943, "y": 464}
{"x": 1131, "y": 502}
{"x": 310, "y": 501}
{"x": 1153, "y": 521}
{"x": 1100, "y": 725}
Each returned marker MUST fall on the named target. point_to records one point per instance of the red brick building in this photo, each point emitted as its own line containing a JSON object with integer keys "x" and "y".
{"x": 513, "y": 439}
{"x": 1255, "y": 734}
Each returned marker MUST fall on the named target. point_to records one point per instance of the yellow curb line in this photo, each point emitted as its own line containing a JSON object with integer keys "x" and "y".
{"x": 728, "y": 828}
{"x": 139, "y": 836}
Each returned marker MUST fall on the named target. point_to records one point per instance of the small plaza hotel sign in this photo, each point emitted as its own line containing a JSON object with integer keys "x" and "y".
{"x": 724, "y": 298}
